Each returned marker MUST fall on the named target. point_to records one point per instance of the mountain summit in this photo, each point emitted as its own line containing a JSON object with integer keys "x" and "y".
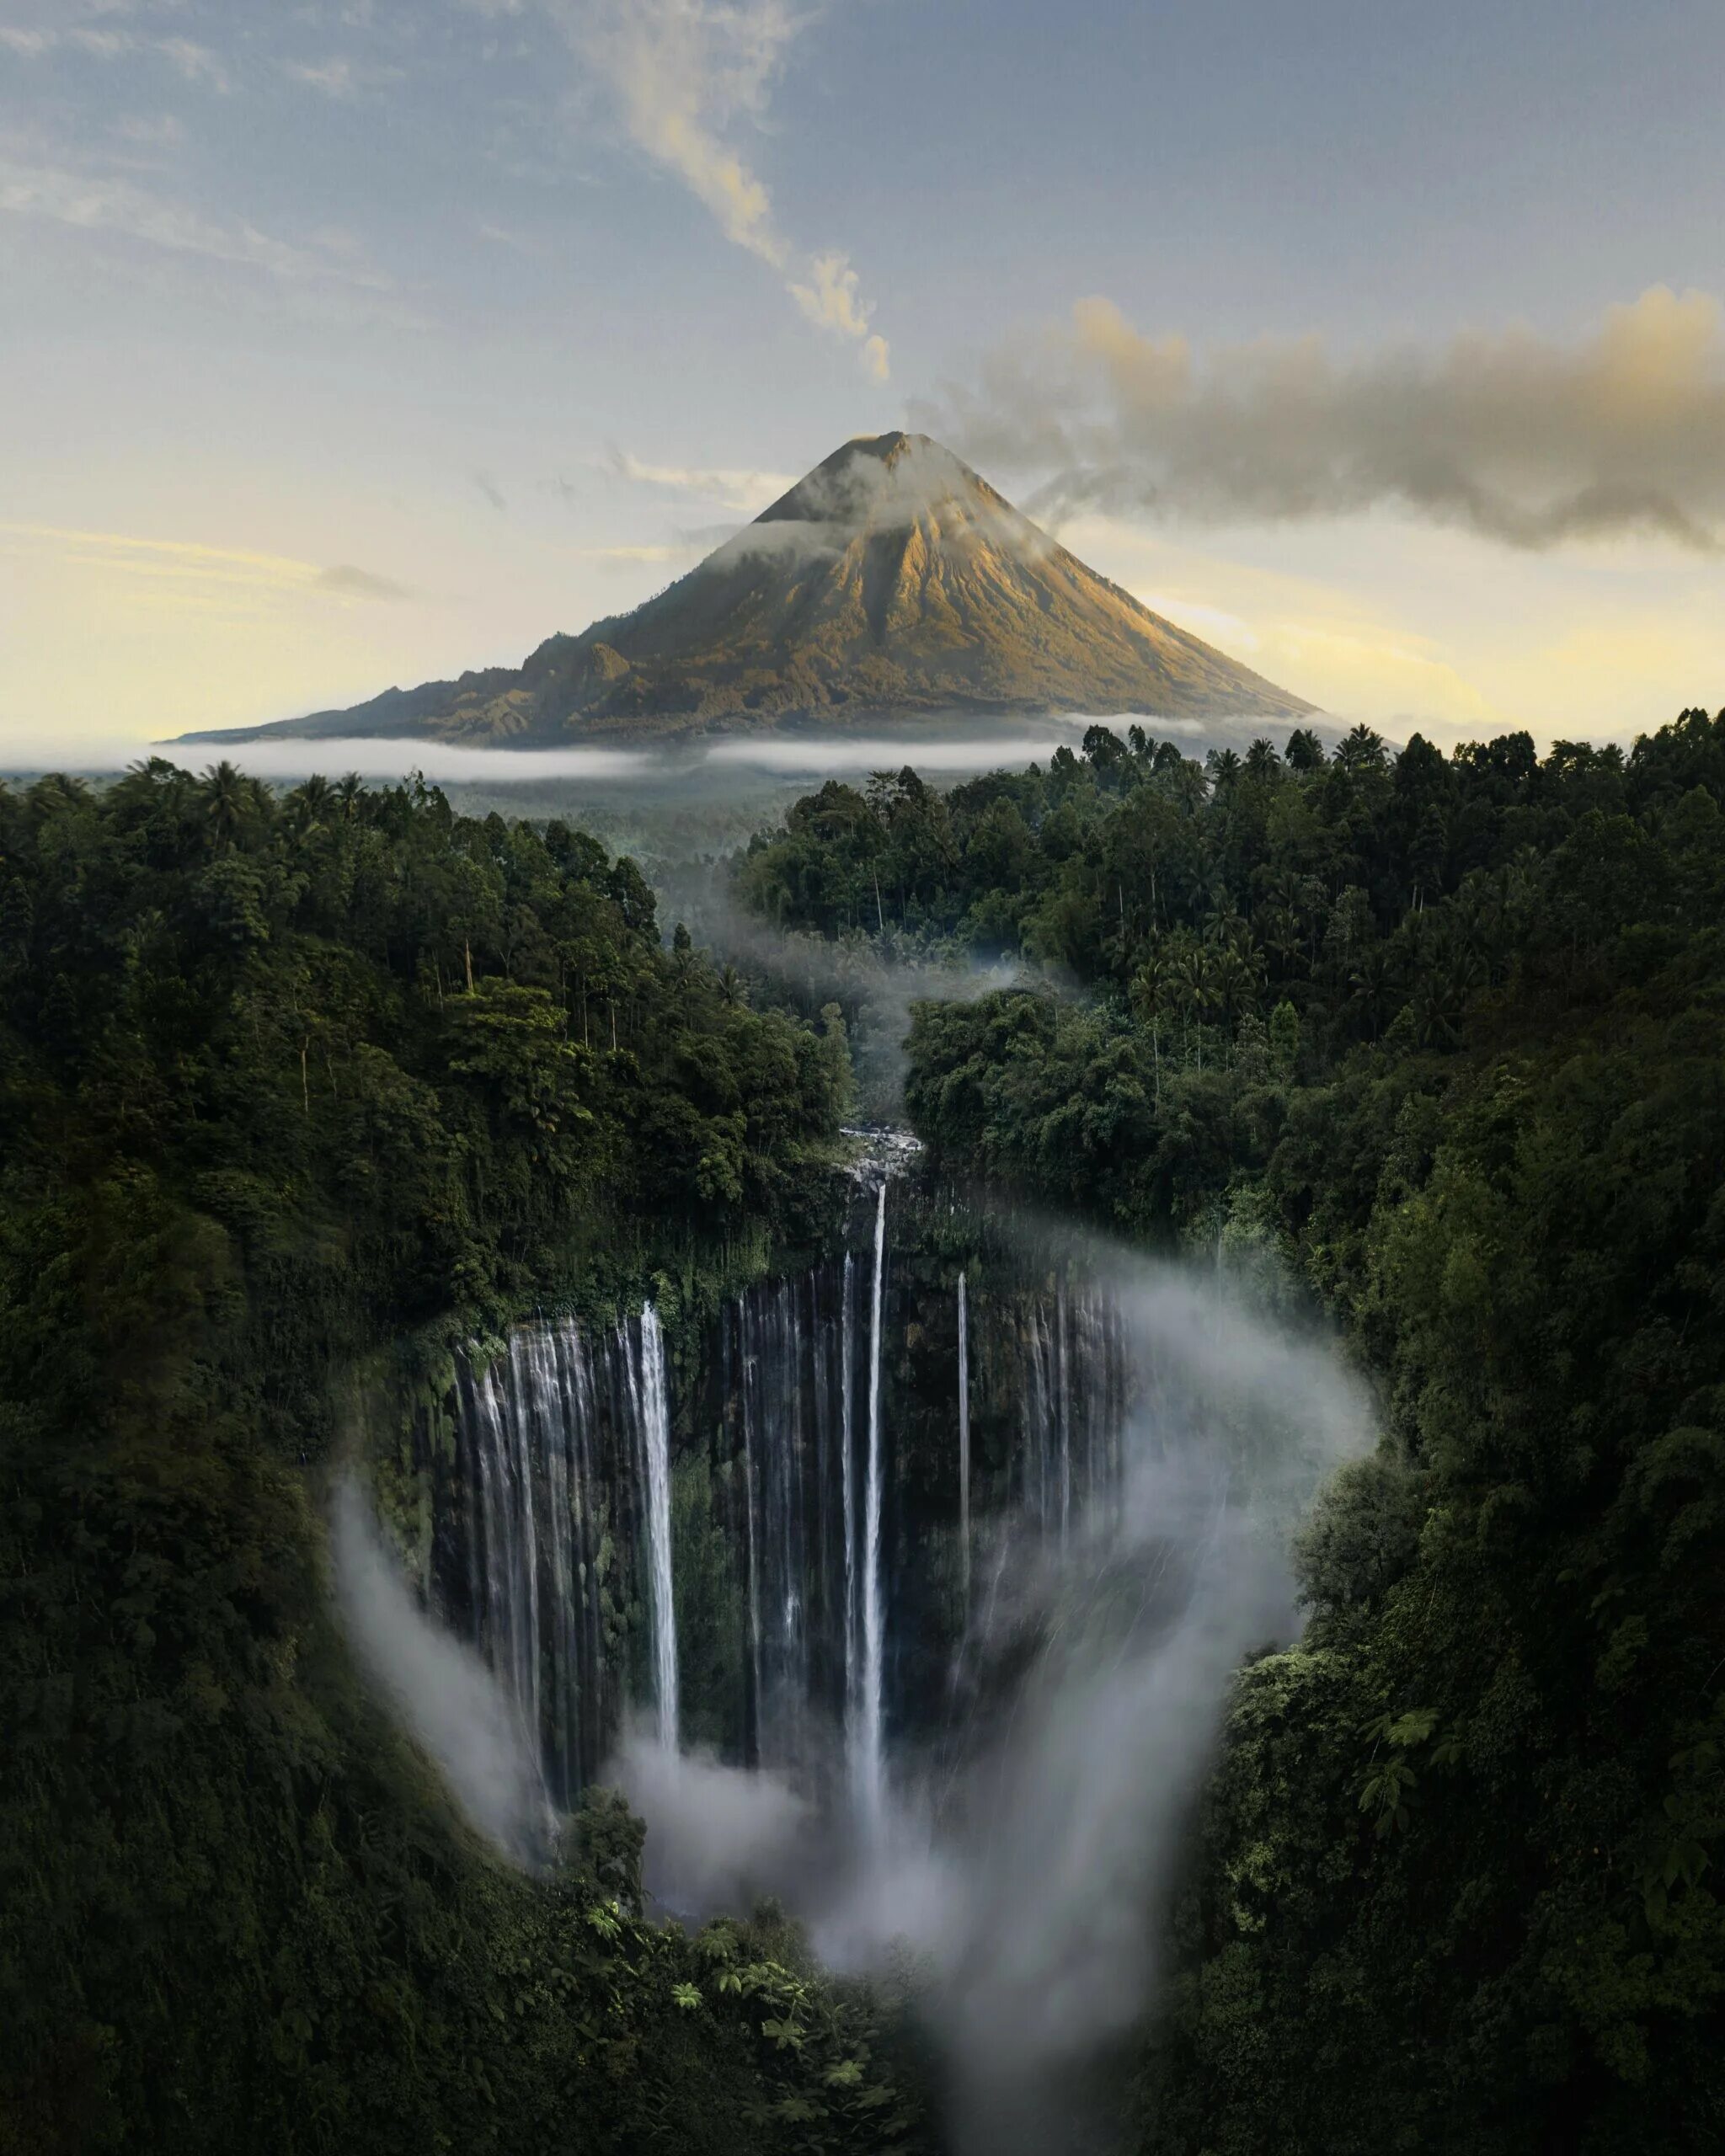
{"x": 890, "y": 583}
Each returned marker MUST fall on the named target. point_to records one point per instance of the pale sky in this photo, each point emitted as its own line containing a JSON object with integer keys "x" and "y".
{"x": 351, "y": 344}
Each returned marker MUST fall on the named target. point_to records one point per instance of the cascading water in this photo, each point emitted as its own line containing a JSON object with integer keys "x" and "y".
{"x": 964, "y": 1443}
{"x": 654, "y": 1420}
{"x": 847, "y": 1364}
{"x": 997, "y": 1772}
{"x": 779, "y": 1369}
{"x": 1064, "y": 1394}
{"x": 563, "y": 1447}
{"x": 869, "y": 1766}
{"x": 1013, "y": 1767}
{"x": 832, "y": 1522}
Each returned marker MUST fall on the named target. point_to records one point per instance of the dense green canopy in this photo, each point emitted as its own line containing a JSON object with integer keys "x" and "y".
{"x": 287, "y": 1087}
{"x": 1448, "y": 1034}
{"x": 295, "y": 1091}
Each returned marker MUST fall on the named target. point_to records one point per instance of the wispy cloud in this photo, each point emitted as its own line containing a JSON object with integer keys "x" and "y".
{"x": 334, "y": 77}
{"x": 338, "y": 77}
{"x": 493, "y": 492}
{"x": 683, "y": 72}
{"x": 103, "y": 45}
{"x": 1514, "y": 437}
{"x": 193, "y": 63}
{"x": 747, "y": 490}
{"x": 97, "y": 203}
{"x": 192, "y": 562}
{"x": 500, "y": 236}
{"x": 686, "y": 78}
{"x": 832, "y": 299}
{"x": 151, "y": 131}
{"x": 343, "y": 580}
{"x": 196, "y": 63}
{"x": 631, "y": 554}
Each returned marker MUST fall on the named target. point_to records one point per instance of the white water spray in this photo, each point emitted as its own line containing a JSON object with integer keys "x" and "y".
{"x": 655, "y": 1431}
{"x": 1028, "y": 1881}
{"x": 461, "y": 1713}
{"x": 868, "y": 1765}
{"x": 847, "y": 1361}
{"x": 964, "y": 1443}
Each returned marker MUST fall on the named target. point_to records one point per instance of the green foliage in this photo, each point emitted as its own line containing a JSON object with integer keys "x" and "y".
{"x": 1451, "y": 1033}
{"x": 284, "y": 1085}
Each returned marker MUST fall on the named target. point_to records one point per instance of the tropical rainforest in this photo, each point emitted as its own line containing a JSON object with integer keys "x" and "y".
{"x": 327, "y": 1082}
{"x": 1450, "y": 1030}
{"x": 286, "y": 1084}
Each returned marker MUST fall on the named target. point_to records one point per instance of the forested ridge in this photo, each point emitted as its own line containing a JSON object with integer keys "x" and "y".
{"x": 1447, "y": 1034}
{"x": 288, "y": 1087}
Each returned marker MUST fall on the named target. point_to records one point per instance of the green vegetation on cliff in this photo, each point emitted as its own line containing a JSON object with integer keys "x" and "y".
{"x": 1449, "y": 1032}
{"x": 282, "y": 1083}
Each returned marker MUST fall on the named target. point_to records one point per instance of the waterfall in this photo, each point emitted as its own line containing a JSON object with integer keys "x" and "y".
{"x": 821, "y": 1618}
{"x": 1035, "y": 1396}
{"x": 1064, "y": 1390}
{"x": 563, "y": 1496}
{"x": 751, "y": 1551}
{"x": 780, "y": 1384}
{"x": 655, "y": 1431}
{"x": 847, "y": 1378}
{"x": 505, "y": 1569}
{"x": 868, "y": 1767}
{"x": 963, "y": 1444}
{"x": 1072, "y": 1397}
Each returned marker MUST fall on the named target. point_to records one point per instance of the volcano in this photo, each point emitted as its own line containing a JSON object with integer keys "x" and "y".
{"x": 892, "y": 583}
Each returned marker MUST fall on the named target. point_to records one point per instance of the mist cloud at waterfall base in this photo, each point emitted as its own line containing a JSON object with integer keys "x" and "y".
{"x": 718, "y": 1836}
{"x": 1022, "y": 1860}
{"x": 446, "y": 1695}
{"x": 1027, "y": 1883}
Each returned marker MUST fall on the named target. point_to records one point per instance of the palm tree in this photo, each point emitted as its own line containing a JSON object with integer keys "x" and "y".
{"x": 1148, "y": 991}
{"x": 1293, "y": 900}
{"x": 1371, "y": 981}
{"x": 1189, "y": 979}
{"x": 229, "y": 797}
{"x": 1362, "y": 750}
{"x": 1227, "y": 927}
{"x": 1232, "y": 980}
{"x": 309, "y": 807}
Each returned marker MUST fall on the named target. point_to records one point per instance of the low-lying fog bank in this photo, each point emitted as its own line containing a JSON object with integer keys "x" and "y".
{"x": 955, "y": 749}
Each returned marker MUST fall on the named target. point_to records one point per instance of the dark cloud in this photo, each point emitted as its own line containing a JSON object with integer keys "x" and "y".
{"x": 1521, "y": 440}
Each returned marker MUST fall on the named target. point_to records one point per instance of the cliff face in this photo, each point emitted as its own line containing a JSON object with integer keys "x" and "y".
{"x": 891, "y": 582}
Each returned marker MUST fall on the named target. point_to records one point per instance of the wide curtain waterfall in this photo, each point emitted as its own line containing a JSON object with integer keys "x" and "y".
{"x": 906, "y": 1587}
{"x": 563, "y": 1447}
{"x": 776, "y": 1562}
